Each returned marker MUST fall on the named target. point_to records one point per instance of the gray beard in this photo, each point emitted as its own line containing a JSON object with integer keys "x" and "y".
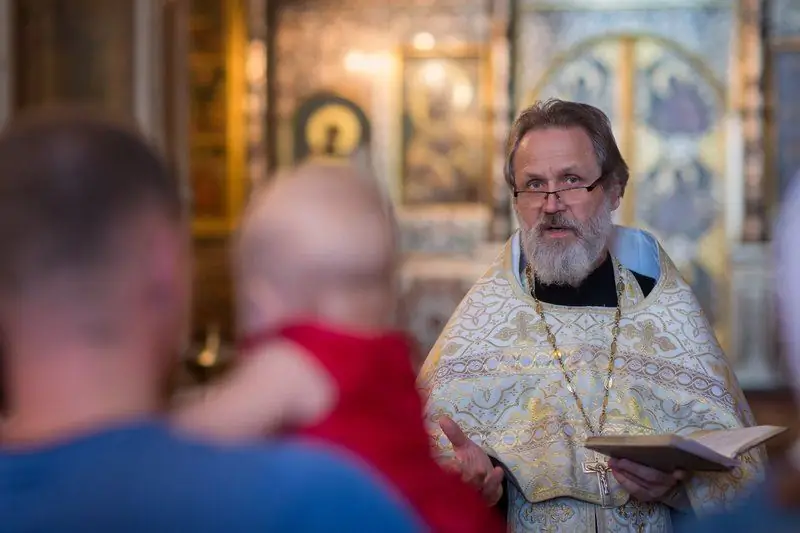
{"x": 562, "y": 263}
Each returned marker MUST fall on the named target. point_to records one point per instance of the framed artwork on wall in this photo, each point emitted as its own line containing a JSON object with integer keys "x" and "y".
{"x": 446, "y": 126}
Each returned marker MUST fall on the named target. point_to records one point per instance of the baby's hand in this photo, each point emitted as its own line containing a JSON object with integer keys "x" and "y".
{"x": 278, "y": 387}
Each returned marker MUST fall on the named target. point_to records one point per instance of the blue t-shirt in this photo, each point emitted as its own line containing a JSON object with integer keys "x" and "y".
{"x": 754, "y": 515}
{"x": 143, "y": 478}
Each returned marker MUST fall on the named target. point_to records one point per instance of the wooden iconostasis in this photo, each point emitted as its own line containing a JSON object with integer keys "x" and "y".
{"x": 87, "y": 52}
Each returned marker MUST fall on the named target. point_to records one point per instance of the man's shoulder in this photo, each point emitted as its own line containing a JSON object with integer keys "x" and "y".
{"x": 279, "y": 485}
{"x": 156, "y": 480}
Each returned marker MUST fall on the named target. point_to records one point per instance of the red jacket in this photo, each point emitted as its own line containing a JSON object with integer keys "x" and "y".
{"x": 379, "y": 418}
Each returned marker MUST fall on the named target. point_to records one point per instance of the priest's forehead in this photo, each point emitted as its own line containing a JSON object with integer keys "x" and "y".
{"x": 554, "y": 152}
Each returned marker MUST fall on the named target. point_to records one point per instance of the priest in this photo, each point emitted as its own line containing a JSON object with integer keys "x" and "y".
{"x": 579, "y": 328}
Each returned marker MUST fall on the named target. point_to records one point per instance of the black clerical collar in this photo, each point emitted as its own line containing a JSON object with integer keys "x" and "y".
{"x": 599, "y": 289}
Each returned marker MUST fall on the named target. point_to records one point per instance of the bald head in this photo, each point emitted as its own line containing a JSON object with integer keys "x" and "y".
{"x": 315, "y": 230}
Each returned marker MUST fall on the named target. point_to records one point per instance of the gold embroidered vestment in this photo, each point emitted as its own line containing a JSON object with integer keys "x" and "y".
{"x": 492, "y": 371}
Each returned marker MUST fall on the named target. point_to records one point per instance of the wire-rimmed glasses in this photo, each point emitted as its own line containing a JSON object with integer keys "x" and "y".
{"x": 567, "y": 196}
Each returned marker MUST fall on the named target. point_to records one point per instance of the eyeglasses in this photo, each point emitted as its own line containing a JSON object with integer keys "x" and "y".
{"x": 569, "y": 196}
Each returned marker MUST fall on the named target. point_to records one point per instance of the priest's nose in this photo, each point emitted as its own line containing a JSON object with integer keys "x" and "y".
{"x": 552, "y": 204}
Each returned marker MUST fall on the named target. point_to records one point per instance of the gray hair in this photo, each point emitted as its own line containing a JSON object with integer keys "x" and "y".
{"x": 556, "y": 113}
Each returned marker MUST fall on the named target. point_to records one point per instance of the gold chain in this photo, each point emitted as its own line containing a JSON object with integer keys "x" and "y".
{"x": 559, "y": 356}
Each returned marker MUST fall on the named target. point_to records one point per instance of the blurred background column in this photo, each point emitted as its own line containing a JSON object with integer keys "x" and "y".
{"x": 256, "y": 65}
{"x": 148, "y": 56}
{"x": 120, "y": 55}
{"x": 5, "y": 60}
{"x": 226, "y": 54}
{"x": 73, "y": 51}
{"x": 754, "y": 343}
{"x": 501, "y": 38}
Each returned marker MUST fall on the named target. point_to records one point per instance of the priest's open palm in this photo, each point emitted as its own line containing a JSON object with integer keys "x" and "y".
{"x": 644, "y": 483}
{"x": 473, "y": 463}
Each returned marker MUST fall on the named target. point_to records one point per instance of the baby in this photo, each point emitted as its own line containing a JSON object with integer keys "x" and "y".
{"x": 315, "y": 267}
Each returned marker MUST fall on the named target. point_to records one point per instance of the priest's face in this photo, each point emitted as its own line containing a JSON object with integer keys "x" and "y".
{"x": 564, "y": 236}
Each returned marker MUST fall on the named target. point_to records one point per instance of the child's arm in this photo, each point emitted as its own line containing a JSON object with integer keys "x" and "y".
{"x": 281, "y": 387}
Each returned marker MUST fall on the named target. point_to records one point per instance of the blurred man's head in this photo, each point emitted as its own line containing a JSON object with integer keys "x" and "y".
{"x": 317, "y": 243}
{"x": 93, "y": 249}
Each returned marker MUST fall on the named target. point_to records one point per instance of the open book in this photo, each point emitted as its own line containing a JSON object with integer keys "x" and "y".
{"x": 701, "y": 451}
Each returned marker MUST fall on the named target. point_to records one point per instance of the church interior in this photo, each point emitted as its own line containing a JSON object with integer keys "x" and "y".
{"x": 423, "y": 93}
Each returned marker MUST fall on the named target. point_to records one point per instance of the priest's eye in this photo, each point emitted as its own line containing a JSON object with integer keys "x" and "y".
{"x": 535, "y": 185}
{"x": 572, "y": 180}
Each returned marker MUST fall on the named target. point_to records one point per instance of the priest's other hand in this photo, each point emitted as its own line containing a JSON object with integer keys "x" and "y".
{"x": 642, "y": 482}
{"x": 473, "y": 463}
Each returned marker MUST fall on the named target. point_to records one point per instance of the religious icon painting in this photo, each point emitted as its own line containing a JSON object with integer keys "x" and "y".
{"x": 330, "y": 128}
{"x": 587, "y": 77}
{"x": 447, "y": 135}
{"x": 680, "y": 162}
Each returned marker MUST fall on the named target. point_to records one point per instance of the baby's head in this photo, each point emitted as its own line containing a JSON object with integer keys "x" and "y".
{"x": 317, "y": 243}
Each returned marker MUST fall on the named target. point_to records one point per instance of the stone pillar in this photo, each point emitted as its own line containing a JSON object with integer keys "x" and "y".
{"x": 751, "y": 106}
{"x": 754, "y": 346}
{"x": 753, "y": 342}
{"x": 501, "y": 18}
{"x": 148, "y": 82}
{"x": 174, "y": 78}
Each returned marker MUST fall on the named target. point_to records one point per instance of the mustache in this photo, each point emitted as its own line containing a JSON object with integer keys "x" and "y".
{"x": 558, "y": 220}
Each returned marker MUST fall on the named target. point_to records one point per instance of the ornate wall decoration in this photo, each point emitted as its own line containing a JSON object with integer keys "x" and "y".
{"x": 680, "y": 170}
{"x": 217, "y": 136}
{"x": 329, "y": 127}
{"x": 589, "y": 77}
{"x": 444, "y": 231}
{"x": 446, "y": 126}
{"x": 660, "y": 75}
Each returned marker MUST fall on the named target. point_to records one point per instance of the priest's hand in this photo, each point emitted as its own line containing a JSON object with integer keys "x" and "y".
{"x": 642, "y": 482}
{"x": 473, "y": 463}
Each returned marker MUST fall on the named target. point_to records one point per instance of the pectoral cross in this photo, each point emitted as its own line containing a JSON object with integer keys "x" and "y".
{"x": 601, "y": 470}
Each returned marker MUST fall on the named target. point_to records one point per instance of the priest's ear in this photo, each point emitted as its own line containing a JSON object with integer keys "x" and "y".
{"x": 613, "y": 191}
{"x": 614, "y": 185}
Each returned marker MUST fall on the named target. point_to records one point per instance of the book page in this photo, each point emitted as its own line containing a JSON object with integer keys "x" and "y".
{"x": 732, "y": 442}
